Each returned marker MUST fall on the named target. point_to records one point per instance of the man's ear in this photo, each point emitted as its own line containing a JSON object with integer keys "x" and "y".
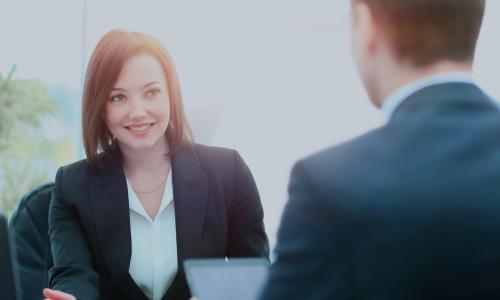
{"x": 364, "y": 22}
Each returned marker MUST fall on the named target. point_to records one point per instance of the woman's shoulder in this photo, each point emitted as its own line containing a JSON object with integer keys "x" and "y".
{"x": 219, "y": 156}
{"x": 219, "y": 160}
{"x": 81, "y": 166}
{"x": 73, "y": 175}
{"x": 214, "y": 152}
{"x": 85, "y": 167}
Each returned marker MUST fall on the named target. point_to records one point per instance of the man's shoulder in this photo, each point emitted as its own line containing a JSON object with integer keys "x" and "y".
{"x": 355, "y": 162}
{"x": 344, "y": 155}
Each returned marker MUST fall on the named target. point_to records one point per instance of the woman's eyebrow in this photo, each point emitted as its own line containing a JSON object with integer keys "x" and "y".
{"x": 143, "y": 87}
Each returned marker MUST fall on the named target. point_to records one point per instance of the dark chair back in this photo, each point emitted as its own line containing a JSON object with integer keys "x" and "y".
{"x": 30, "y": 227}
{"x": 9, "y": 282}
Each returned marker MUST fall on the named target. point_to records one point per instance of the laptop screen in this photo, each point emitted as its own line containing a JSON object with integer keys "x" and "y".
{"x": 9, "y": 288}
{"x": 215, "y": 279}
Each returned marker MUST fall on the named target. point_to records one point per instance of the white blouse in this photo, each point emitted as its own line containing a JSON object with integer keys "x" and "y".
{"x": 153, "y": 264}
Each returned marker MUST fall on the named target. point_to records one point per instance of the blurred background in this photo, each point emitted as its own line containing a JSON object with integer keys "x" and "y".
{"x": 272, "y": 79}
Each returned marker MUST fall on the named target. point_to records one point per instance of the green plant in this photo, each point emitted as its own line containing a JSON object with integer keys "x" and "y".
{"x": 24, "y": 104}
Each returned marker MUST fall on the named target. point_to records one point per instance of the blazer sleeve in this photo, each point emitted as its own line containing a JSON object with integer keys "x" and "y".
{"x": 72, "y": 271}
{"x": 246, "y": 234}
{"x": 310, "y": 252}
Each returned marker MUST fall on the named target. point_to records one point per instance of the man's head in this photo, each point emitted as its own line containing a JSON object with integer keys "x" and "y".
{"x": 412, "y": 35}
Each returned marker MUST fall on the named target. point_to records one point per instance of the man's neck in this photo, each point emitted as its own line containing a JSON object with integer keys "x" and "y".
{"x": 401, "y": 76}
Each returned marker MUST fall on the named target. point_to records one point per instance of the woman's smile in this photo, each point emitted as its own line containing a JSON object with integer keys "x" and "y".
{"x": 140, "y": 129}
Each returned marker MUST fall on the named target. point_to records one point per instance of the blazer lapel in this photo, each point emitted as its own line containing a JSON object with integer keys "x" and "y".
{"x": 108, "y": 193}
{"x": 190, "y": 200}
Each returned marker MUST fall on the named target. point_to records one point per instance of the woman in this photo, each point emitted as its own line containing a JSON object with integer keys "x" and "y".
{"x": 123, "y": 220}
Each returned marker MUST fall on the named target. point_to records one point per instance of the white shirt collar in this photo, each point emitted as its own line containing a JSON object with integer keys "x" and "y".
{"x": 402, "y": 93}
{"x": 135, "y": 204}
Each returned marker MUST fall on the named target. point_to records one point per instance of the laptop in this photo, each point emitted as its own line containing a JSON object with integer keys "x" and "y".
{"x": 9, "y": 283}
{"x": 216, "y": 279}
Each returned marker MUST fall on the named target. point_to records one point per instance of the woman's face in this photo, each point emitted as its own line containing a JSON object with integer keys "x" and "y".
{"x": 137, "y": 111}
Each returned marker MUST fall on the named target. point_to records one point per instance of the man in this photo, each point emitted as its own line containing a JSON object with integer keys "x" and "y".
{"x": 410, "y": 210}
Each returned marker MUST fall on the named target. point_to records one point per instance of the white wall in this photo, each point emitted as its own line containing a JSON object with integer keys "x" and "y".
{"x": 273, "y": 79}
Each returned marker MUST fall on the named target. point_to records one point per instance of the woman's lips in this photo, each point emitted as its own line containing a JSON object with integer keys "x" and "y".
{"x": 141, "y": 129}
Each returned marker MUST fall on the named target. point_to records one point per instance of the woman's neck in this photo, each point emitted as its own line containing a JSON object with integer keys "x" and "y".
{"x": 151, "y": 162}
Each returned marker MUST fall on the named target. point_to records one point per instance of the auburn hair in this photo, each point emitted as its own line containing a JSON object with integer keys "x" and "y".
{"x": 103, "y": 69}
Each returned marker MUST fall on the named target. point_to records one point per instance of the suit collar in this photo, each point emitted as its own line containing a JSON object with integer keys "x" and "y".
{"x": 190, "y": 200}
{"x": 109, "y": 197}
{"x": 439, "y": 97}
{"x": 186, "y": 165}
{"x": 402, "y": 93}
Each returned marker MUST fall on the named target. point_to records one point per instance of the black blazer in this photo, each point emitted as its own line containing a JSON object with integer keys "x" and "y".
{"x": 408, "y": 211}
{"x": 217, "y": 209}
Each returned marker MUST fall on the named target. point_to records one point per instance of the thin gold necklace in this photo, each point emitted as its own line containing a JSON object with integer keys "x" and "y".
{"x": 152, "y": 190}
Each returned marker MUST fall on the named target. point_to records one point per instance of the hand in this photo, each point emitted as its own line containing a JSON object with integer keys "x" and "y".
{"x": 57, "y": 295}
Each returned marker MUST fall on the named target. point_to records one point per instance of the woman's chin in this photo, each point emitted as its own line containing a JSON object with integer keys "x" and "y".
{"x": 139, "y": 145}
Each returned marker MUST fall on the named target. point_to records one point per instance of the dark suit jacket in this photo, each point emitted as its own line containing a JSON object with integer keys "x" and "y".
{"x": 408, "y": 211}
{"x": 217, "y": 209}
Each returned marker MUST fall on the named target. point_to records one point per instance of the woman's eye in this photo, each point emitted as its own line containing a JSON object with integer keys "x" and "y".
{"x": 117, "y": 98}
{"x": 152, "y": 92}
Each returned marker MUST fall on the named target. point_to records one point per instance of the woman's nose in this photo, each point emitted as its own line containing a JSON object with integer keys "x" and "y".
{"x": 137, "y": 110}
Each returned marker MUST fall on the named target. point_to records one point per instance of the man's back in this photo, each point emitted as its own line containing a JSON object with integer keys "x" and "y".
{"x": 407, "y": 211}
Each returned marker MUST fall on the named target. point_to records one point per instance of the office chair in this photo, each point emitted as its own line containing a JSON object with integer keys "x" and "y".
{"x": 29, "y": 225}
